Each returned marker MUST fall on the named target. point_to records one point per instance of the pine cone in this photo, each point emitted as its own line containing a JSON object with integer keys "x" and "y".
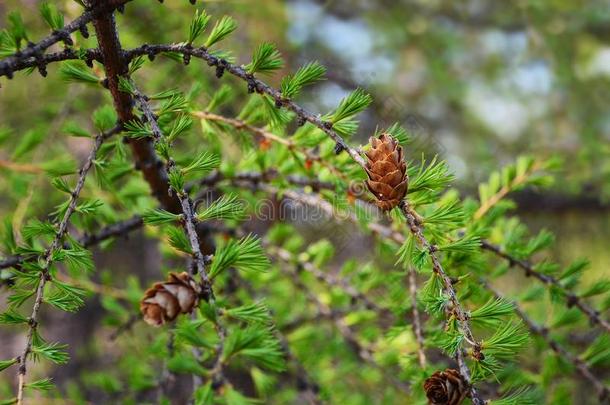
{"x": 164, "y": 301}
{"x": 387, "y": 171}
{"x": 446, "y": 388}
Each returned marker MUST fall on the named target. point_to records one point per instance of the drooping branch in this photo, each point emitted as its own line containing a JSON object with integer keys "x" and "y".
{"x": 56, "y": 244}
{"x": 254, "y": 84}
{"x": 542, "y": 331}
{"x": 572, "y": 300}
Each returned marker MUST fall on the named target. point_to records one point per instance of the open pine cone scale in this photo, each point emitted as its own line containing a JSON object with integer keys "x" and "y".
{"x": 446, "y": 388}
{"x": 163, "y": 302}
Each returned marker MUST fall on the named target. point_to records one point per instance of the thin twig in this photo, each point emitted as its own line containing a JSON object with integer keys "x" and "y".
{"x": 288, "y": 143}
{"x": 190, "y": 222}
{"x": 572, "y": 300}
{"x": 457, "y": 311}
{"x": 542, "y": 331}
{"x": 504, "y": 190}
{"x": 254, "y": 84}
{"x": 56, "y": 244}
{"x": 465, "y": 372}
{"x": 110, "y": 231}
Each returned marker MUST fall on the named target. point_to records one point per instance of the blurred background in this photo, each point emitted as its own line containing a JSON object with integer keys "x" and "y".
{"x": 476, "y": 82}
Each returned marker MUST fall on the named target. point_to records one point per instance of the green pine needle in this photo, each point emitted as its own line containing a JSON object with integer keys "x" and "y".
{"x": 136, "y": 129}
{"x": 179, "y": 126}
{"x": 257, "y": 344}
{"x": 52, "y": 16}
{"x": 4, "y": 364}
{"x": 198, "y": 24}
{"x": 246, "y": 255}
{"x": 256, "y": 312}
{"x": 226, "y": 207}
{"x": 11, "y": 317}
{"x": 53, "y": 352}
{"x": 77, "y": 72}
{"x": 44, "y": 384}
{"x": 448, "y": 213}
{"x": 178, "y": 240}
{"x": 306, "y": 75}
{"x": 159, "y": 217}
{"x": 265, "y": 59}
{"x": 223, "y": 28}
{"x": 492, "y": 312}
{"x": 468, "y": 244}
{"x": 351, "y": 105}
{"x": 104, "y": 118}
{"x": 203, "y": 164}
{"x": 433, "y": 176}
{"x": 507, "y": 341}
{"x": 16, "y": 28}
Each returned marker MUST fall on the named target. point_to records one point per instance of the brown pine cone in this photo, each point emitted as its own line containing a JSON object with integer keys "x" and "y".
{"x": 446, "y": 388}
{"x": 387, "y": 171}
{"x": 164, "y": 301}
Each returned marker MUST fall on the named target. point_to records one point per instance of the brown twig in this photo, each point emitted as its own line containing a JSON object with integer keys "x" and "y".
{"x": 542, "y": 331}
{"x": 505, "y": 190}
{"x": 117, "y": 229}
{"x": 190, "y": 222}
{"x": 56, "y": 244}
{"x": 257, "y": 131}
{"x": 572, "y": 300}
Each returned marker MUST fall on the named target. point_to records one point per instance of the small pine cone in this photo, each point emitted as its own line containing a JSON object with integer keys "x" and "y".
{"x": 164, "y": 301}
{"x": 446, "y": 388}
{"x": 387, "y": 171}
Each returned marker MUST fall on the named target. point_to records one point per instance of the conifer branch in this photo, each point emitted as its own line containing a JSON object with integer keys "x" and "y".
{"x": 265, "y": 134}
{"x": 254, "y": 84}
{"x": 43, "y": 61}
{"x": 56, "y": 244}
{"x": 190, "y": 222}
{"x": 457, "y": 310}
{"x": 581, "y": 366}
{"x": 110, "y": 231}
{"x": 571, "y": 299}
{"x": 116, "y": 66}
{"x": 22, "y": 58}
{"x": 20, "y": 167}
